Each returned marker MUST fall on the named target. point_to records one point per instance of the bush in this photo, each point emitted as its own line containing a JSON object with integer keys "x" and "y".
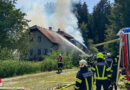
{"x": 49, "y": 65}
{"x": 9, "y": 68}
{"x": 6, "y": 54}
{"x": 50, "y": 62}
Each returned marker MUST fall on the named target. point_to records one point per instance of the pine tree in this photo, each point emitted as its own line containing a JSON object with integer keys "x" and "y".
{"x": 118, "y": 19}
{"x": 99, "y": 20}
{"x": 84, "y": 31}
{"x": 82, "y": 16}
{"x": 82, "y": 12}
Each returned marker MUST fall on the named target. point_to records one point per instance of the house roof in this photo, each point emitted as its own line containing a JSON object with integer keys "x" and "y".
{"x": 47, "y": 33}
{"x": 65, "y": 34}
{"x": 59, "y": 39}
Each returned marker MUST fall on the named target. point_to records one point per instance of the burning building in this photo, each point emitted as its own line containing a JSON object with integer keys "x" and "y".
{"x": 42, "y": 41}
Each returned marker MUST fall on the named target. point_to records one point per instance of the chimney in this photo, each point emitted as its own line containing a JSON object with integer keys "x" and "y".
{"x": 50, "y": 28}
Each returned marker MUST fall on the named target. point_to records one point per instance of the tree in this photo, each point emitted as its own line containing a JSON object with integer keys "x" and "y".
{"x": 99, "y": 20}
{"x": 82, "y": 15}
{"x": 81, "y": 12}
{"x": 83, "y": 28}
{"x": 119, "y": 18}
{"x": 13, "y": 26}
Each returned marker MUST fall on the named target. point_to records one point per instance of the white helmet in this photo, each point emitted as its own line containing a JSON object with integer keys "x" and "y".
{"x": 108, "y": 54}
{"x": 60, "y": 54}
{"x": 82, "y": 62}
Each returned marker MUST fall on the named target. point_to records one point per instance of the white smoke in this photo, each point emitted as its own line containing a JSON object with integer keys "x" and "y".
{"x": 55, "y": 13}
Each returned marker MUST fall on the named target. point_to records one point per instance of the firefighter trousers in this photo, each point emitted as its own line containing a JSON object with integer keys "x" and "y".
{"x": 103, "y": 83}
{"x": 110, "y": 85}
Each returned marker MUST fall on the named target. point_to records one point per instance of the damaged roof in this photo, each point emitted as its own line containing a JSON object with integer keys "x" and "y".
{"x": 44, "y": 31}
{"x": 59, "y": 39}
{"x": 64, "y": 34}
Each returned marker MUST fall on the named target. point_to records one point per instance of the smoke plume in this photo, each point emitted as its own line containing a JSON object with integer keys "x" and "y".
{"x": 54, "y": 13}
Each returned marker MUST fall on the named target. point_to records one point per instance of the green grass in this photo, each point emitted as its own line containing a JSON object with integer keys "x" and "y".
{"x": 42, "y": 83}
{"x": 39, "y": 81}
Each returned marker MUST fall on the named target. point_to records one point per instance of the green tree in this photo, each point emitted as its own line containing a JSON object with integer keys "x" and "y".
{"x": 118, "y": 19}
{"x": 82, "y": 11}
{"x": 82, "y": 15}
{"x": 13, "y": 26}
{"x": 99, "y": 20}
{"x": 12, "y": 23}
{"x": 93, "y": 49}
{"x": 84, "y": 31}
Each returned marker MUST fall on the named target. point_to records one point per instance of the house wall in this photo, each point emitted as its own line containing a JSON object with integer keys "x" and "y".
{"x": 36, "y": 45}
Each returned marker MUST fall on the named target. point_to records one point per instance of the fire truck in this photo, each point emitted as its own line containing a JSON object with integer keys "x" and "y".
{"x": 124, "y": 53}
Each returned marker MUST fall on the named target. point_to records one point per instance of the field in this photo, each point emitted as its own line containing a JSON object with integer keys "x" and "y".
{"x": 43, "y": 81}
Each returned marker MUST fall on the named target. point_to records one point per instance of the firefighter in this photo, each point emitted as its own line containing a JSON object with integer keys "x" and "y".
{"x": 60, "y": 64}
{"x": 102, "y": 72}
{"x": 84, "y": 78}
{"x": 114, "y": 73}
{"x": 109, "y": 61}
{"x": 91, "y": 61}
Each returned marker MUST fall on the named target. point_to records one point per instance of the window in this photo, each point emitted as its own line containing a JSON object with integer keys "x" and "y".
{"x": 39, "y": 38}
{"x": 31, "y": 52}
{"x": 39, "y": 52}
{"x": 45, "y": 51}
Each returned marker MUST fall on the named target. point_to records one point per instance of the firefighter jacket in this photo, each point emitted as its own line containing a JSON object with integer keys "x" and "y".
{"x": 114, "y": 68}
{"x": 59, "y": 59}
{"x": 109, "y": 61}
{"x": 84, "y": 79}
{"x": 102, "y": 70}
{"x": 115, "y": 62}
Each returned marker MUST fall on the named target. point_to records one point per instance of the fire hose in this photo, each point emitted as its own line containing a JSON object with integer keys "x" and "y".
{"x": 66, "y": 86}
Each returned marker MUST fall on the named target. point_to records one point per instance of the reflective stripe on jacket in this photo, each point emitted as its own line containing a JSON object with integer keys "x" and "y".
{"x": 102, "y": 70}
{"x": 84, "y": 79}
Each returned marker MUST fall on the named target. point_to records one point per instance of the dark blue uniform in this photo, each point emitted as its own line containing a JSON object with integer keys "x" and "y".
{"x": 84, "y": 79}
{"x": 102, "y": 74}
{"x": 109, "y": 61}
{"x": 114, "y": 73}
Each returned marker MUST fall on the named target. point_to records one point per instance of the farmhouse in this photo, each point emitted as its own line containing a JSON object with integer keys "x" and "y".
{"x": 42, "y": 41}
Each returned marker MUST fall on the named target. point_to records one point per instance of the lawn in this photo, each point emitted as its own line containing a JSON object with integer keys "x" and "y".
{"x": 42, "y": 81}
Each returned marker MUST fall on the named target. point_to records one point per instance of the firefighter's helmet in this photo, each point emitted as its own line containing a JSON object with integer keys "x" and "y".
{"x": 60, "y": 54}
{"x": 100, "y": 55}
{"x": 83, "y": 62}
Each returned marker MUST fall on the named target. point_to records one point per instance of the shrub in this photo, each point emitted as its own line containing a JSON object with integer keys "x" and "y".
{"x": 49, "y": 65}
{"x": 6, "y": 54}
{"x": 9, "y": 68}
{"x": 50, "y": 62}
